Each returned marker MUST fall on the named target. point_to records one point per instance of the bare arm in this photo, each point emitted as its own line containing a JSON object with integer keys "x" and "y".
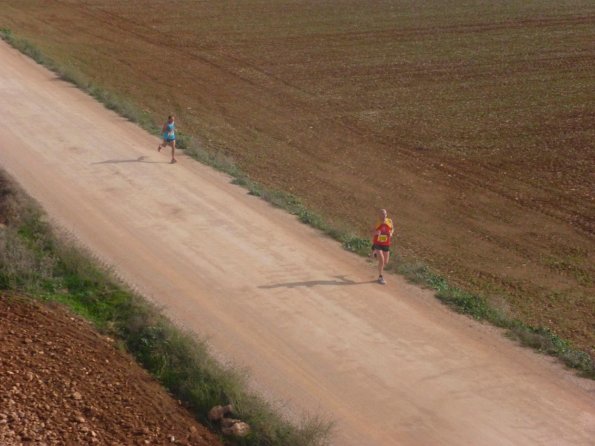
{"x": 374, "y": 231}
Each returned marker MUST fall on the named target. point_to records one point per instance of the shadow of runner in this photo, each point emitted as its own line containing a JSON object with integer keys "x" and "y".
{"x": 140, "y": 159}
{"x": 339, "y": 281}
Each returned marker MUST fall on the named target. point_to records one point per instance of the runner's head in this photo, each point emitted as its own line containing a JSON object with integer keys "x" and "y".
{"x": 382, "y": 213}
{"x": 170, "y": 118}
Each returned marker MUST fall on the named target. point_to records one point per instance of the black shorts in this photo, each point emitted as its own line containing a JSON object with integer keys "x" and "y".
{"x": 380, "y": 248}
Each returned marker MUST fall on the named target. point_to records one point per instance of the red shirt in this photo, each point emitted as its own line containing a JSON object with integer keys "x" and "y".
{"x": 383, "y": 233}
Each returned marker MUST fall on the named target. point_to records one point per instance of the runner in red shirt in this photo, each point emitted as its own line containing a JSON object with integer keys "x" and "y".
{"x": 382, "y": 232}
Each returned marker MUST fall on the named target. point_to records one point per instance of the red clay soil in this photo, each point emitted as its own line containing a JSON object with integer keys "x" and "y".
{"x": 61, "y": 383}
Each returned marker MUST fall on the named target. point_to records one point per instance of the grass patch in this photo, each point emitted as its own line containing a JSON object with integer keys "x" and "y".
{"x": 460, "y": 300}
{"x": 37, "y": 262}
{"x": 545, "y": 341}
{"x": 540, "y": 339}
{"x": 454, "y": 297}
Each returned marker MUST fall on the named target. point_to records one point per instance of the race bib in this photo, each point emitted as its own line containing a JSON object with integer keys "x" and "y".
{"x": 383, "y": 238}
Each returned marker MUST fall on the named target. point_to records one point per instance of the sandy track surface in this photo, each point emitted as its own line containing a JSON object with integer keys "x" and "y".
{"x": 389, "y": 364}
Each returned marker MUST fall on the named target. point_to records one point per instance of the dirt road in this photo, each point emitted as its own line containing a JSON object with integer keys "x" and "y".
{"x": 389, "y": 364}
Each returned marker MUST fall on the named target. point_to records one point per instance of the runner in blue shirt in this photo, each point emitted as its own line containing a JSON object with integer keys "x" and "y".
{"x": 169, "y": 137}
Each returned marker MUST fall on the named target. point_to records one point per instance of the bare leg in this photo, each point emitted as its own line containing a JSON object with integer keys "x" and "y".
{"x": 382, "y": 261}
{"x": 173, "y": 151}
{"x": 380, "y": 257}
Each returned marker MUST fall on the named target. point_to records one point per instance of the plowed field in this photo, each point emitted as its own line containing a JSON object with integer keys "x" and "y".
{"x": 61, "y": 383}
{"x": 472, "y": 124}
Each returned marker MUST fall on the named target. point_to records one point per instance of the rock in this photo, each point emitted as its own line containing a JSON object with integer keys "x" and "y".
{"x": 237, "y": 429}
{"x": 218, "y": 412}
{"x": 90, "y": 411}
{"x": 228, "y": 422}
{"x": 77, "y": 396}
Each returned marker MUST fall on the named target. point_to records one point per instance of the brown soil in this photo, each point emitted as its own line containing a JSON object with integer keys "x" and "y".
{"x": 61, "y": 383}
{"x": 472, "y": 126}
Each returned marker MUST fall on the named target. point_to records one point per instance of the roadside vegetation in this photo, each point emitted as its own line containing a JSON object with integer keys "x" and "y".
{"x": 37, "y": 262}
{"x": 473, "y": 304}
